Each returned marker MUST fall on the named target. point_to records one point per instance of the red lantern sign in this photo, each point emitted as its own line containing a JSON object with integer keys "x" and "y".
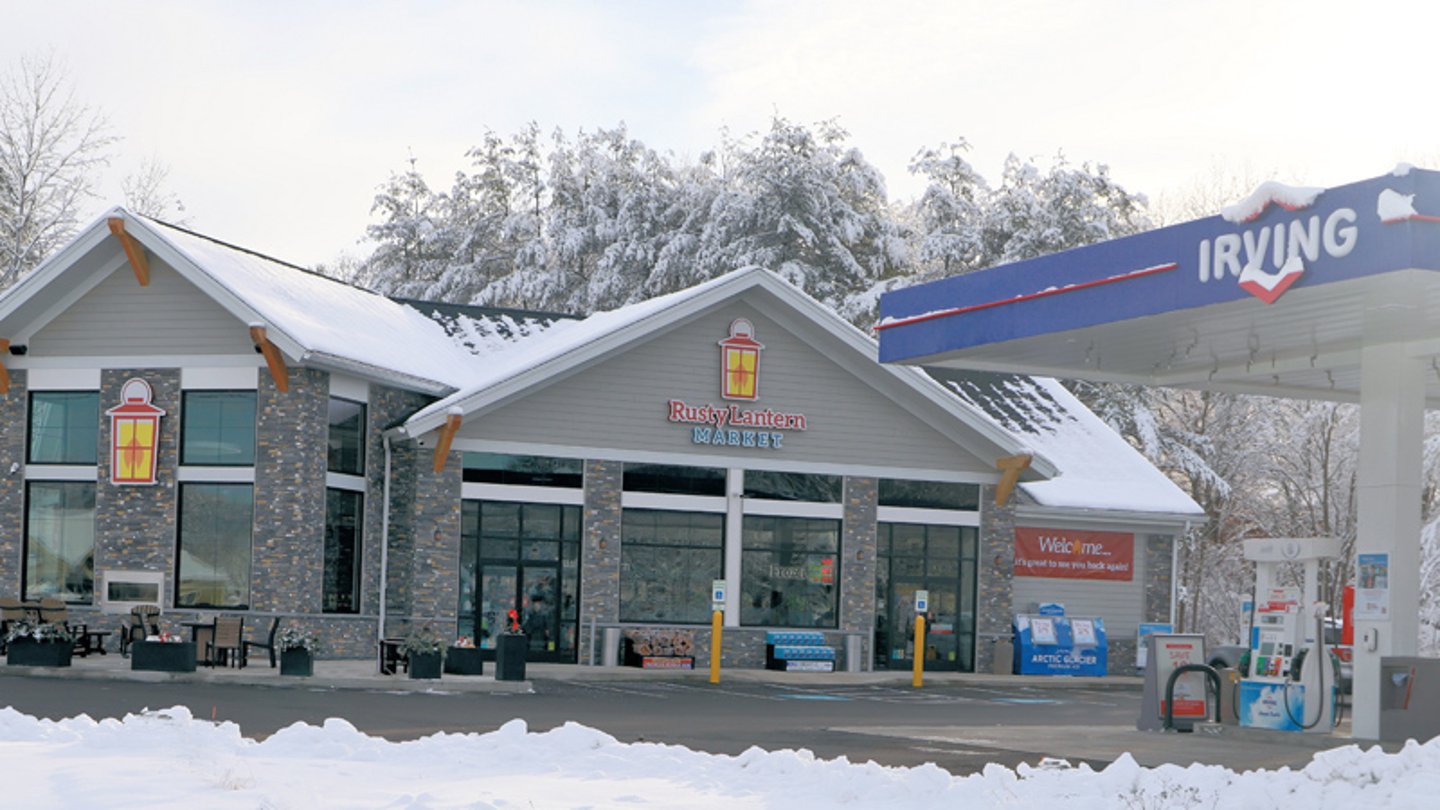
{"x": 134, "y": 435}
{"x": 740, "y": 362}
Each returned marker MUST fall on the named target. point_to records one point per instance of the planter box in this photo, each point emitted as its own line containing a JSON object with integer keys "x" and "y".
{"x": 510, "y": 656}
{"x": 464, "y": 661}
{"x": 27, "y": 652}
{"x": 160, "y": 656}
{"x": 425, "y": 666}
{"x": 297, "y": 662}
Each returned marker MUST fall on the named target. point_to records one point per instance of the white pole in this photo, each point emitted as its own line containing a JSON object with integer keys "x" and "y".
{"x": 1392, "y": 410}
{"x": 384, "y": 543}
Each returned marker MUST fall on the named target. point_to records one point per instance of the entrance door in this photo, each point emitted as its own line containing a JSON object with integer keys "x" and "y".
{"x": 940, "y": 648}
{"x": 525, "y": 559}
{"x": 938, "y": 559}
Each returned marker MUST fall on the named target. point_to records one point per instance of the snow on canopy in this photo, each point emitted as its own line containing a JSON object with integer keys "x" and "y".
{"x": 1099, "y": 469}
{"x": 330, "y": 318}
{"x": 1269, "y": 193}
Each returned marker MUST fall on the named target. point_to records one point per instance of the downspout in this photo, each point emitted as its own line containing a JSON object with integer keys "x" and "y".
{"x": 384, "y": 539}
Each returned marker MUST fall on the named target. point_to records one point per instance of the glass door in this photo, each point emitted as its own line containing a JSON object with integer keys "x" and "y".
{"x": 522, "y": 558}
{"x": 937, "y": 559}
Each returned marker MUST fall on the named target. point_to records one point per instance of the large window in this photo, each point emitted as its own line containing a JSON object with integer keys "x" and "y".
{"x": 668, "y": 561}
{"x": 929, "y": 494}
{"x": 346, "y": 453}
{"x": 783, "y": 486}
{"x": 341, "y": 592}
{"x": 673, "y": 479}
{"x": 215, "y": 528}
{"x": 790, "y": 572}
{"x": 218, "y": 428}
{"x": 533, "y": 471}
{"x": 64, "y": 427}
{"x": 60, "y": 540}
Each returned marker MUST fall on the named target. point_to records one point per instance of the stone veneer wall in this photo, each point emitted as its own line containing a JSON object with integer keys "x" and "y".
{"x": 600, "y": 550}
{"x": 288, "y": 545}
{"x": 387, "y": 408}
{"x": 13, "y": 417}
{"x": 424, "y": 588}
{"x": 857, "y": 561}
{"x": 995, "y": 572}
{"x": 135, "y": 526}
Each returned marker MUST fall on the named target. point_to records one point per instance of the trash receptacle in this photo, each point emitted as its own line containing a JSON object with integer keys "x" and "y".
{"x": 510, "y": 657}
{"x": 1002, "y": 661}
{"x": 610, "y": 652}
{"x": 854, "y": 654}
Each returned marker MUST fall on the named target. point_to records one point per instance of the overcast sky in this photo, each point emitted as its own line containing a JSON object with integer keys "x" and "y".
{"x": 278, "y": 120}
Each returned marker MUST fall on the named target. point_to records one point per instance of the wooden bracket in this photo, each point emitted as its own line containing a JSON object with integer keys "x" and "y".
{"x": 278, "y": 372}
{"x": 133, "y": 251}
{"x": 447, "y": 435}
{"x": 4, "y": 372}
{"x": 1010, "y": 468}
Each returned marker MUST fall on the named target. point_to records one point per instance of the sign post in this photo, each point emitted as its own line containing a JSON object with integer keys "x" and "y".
{"x": 717, "y": 624}
{"x": 922, "y": 604}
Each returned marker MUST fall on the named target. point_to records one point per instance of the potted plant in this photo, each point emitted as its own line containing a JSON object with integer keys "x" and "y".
{"x": 39, "y": 645}
{"x": 463, "y": 658}
{"x": 426, "y": 653}
{"x": 297, "y": 651}
{"x": 165, "y": 652}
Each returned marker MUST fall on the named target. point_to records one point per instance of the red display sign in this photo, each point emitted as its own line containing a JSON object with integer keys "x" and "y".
{"x": 1067, "y": 554}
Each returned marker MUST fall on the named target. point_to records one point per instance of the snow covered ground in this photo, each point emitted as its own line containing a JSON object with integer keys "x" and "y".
{"x": 169, "y": 759}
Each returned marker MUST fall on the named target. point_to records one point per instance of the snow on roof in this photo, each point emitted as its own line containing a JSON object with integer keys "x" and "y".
{"x": 326, "y": 316}
{"x": 483, "y": 331}
{"x": 1098, "y": 468}
{"x": 1269, "y": 193}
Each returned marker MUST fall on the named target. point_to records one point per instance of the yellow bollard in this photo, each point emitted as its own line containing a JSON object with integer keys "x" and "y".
{"x": 918, "y": 679}
{"x": 716, "y": 623}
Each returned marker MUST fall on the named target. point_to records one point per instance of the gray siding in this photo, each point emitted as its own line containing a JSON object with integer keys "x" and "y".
{"x": 1120, "y": 604}
{"x": 119, "y": 317}
{"x": 622, "y": 403}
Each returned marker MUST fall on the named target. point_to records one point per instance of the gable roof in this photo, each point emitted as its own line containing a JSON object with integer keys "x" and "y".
{"x": 317, "y": 320}
{"x": 1101, "y": 471}
{"x": 575, "y": 344}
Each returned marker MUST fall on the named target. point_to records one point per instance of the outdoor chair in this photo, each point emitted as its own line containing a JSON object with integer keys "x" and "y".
{"x": 268, "y": 644}
{"x": 55, "y": 611}
{"x": 226, "y": 647}
{"x": 142, "y": 623}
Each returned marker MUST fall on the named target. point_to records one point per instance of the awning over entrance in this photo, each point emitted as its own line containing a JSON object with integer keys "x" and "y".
{"x": 1311, "y": 293}
{"x": 1277, "y": 298}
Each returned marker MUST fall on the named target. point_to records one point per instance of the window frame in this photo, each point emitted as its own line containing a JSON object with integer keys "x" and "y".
{"x": 718, "y": 572}
{"x": 360, "y": 436}
{"x": 180, "y": 530}
{"x": 186, "y": 410}
{"x": 357, "y": 563}
{"x": 25, "y": 563}
{"x": 30, "y": 425}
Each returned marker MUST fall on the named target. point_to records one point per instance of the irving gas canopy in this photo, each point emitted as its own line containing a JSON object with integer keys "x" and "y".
{"x": 1302, "y": 292}
{"x": 1276, "y": 295}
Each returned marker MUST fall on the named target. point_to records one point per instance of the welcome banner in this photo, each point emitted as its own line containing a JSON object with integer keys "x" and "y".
{"x": 1066, "y": 554}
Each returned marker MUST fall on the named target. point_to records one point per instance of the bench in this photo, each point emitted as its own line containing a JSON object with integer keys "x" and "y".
{"x": 798, "y": 651}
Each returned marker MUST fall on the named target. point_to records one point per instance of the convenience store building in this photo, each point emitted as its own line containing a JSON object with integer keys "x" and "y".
{"x": 360, "y": 465}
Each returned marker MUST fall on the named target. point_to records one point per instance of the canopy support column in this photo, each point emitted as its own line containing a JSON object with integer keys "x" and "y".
{"x": 1392, "y": 411}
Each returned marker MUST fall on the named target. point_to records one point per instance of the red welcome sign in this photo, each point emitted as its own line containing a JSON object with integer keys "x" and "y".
{"x": 1069, "y": 554}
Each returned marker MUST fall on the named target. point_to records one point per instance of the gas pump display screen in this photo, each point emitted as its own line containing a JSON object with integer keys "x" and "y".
{"x": 1267, "y": 648}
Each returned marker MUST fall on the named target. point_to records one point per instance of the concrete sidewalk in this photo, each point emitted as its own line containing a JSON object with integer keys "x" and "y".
{"x": 363, "y": 674}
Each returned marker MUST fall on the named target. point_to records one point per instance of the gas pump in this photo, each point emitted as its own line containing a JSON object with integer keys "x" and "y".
{"x": 1290, "y": 684}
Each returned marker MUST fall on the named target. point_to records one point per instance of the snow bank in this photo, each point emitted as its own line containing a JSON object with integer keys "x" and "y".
{"x": 169, "y": 759}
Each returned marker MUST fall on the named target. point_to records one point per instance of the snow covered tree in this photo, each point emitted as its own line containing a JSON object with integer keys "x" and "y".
{"x": 411, "y": 248}
{"x": 145, "y": 193}
{"x": 950, "y": 211}
{"x": 1034, "y": 213}
{"x": 50, "y": 149}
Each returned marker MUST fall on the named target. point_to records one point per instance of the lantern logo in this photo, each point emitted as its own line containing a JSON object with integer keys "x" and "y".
{"x": 134, "y": 435}
{"x": 740, "y": 362}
